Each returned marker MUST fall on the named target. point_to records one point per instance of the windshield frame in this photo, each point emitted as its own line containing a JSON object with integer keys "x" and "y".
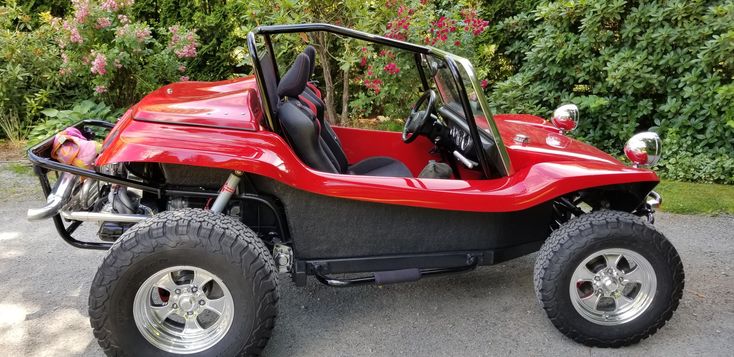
{"x": 453, "y": 62}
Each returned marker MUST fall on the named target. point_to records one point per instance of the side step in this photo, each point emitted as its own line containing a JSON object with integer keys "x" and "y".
{"x": 391, "y": 276}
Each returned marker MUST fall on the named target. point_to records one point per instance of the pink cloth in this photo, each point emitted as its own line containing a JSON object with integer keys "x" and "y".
{"x": 71, "y": 147}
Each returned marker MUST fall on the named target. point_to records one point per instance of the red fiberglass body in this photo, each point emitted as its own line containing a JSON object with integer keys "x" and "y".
{"x": 217, "y": 125}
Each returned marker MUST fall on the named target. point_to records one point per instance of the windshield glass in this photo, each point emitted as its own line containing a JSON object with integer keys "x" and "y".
{"x": 438, "y": 68}
{"x": 450, "y": 95}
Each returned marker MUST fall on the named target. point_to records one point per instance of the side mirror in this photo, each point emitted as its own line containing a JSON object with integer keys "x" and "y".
{"x": 566, "y": 117}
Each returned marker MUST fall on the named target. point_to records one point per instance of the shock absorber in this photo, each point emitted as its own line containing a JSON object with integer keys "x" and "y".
{"x": 225, "y": 193}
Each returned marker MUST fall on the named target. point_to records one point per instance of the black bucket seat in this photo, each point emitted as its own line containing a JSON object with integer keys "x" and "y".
{"x": 312, "y": 138}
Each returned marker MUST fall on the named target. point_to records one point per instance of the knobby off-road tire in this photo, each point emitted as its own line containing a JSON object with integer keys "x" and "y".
{"x": 607, "y": 231}
{"x": 205, "y": 241}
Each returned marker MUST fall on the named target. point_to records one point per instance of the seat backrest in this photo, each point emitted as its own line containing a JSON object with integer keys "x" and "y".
{"x": 313, "y": 96}
{"x": 271, "y": 82}
{"x": 300, "y": 126}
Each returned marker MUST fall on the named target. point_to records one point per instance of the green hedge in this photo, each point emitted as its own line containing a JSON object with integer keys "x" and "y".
{"x": 630, "y": 65}
{"x": 665, "y": 66}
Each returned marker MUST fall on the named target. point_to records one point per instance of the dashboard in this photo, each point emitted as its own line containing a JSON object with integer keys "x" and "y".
{"x": 460, "y": 137}
{"x": 458, "y": 132}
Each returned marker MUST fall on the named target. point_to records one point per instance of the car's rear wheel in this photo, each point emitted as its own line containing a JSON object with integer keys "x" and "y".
{"x": 188, "y": 282}
{"x": 608, "y": 279}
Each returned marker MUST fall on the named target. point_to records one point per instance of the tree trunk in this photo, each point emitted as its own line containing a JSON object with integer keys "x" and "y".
{"x": 345, "y": 96}
{"x": 323, "y": 52}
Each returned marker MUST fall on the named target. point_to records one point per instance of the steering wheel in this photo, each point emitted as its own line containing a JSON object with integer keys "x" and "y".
{"x": 417, "y": 118}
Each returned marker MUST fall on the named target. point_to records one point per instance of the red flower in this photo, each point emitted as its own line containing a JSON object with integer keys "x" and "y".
{"x": 392, "y": 68}
{"x": 484, "y": 83}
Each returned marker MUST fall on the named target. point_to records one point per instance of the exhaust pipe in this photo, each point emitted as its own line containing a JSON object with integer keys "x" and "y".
{"x": 56, "y": 199}
{"x": 102, "y": 217}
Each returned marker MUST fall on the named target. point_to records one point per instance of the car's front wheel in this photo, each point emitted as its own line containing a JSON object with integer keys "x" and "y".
{"x": 188, "y": 282}
{"x": 608, "y": 279}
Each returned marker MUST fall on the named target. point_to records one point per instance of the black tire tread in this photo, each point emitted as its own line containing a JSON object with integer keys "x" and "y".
{"x": 570, "y": 238}
{"x": 188, "y": 227}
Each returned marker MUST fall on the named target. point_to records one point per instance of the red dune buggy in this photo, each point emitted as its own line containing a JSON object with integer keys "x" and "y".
{"x": 205, "y": 191}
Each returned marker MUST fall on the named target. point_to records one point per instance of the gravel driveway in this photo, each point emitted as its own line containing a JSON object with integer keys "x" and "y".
{"x": 491, "y": 311}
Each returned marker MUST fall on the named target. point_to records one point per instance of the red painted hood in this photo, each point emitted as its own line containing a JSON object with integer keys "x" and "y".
{"x": 545, "y": 143}
{"x": 232, "y": 104}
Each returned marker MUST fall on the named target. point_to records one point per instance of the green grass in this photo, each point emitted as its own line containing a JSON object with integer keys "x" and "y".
{"x": 21, "y": 169}
{"x": 696, "y": 198}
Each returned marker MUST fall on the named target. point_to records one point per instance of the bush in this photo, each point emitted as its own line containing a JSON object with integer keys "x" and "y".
{"x": 29, "y": 63}
{"x": 660, "y": 65}
{"x": 120, "y": 58}
{"x": 217, "y": 24}
{"x": 384, "y": 75}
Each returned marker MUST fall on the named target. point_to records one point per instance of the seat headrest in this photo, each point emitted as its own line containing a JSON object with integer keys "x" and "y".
{"x": 294, "y": 81}
{"x": 311, "y": 53}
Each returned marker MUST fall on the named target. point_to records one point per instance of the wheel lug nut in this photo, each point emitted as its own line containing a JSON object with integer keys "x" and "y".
{"x": 190, "y": 313}
{"x": 597, "y": 278}
{"x": 194, "y": 289}
{"x": 174, "y": 306}
{"x": 178, "y": 291}
{"x": 202, "y": 302}
{"x": 599, "y": 292}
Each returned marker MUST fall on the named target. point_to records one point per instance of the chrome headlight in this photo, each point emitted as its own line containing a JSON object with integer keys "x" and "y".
{"x": 566, "y": 117}
{"x": 644, "y": 149}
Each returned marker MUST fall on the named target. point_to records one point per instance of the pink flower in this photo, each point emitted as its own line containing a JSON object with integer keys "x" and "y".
{"x": 99, "y": 64}
{"x": 103, "y": 22}
{"x": 182, "y": 68}
{"x": 109, "y": 5}
{"x": 75, "y": 36}
{"x": 100, "y": 89}
{"x": 142, "y": 34}
{"x": 184, "y": 78}
{"x": 188, "y": 51}
{"x": 122, "y": 30}
{"x": 123, "y": 19}
{"x": 484, "y": 83}
{"x": 81, "y": 10}
{"x": 363, "y": 62}
{"x": 55, "y": 22}
{"x": 64, "y": 58}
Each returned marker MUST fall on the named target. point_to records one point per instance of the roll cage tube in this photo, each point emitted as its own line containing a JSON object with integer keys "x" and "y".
{"x": 485, "y": 162}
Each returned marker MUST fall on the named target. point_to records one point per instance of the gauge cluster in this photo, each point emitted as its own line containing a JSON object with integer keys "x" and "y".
{"x": 461, "y": 138}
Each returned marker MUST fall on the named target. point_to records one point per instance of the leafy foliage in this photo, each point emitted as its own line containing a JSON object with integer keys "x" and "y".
{"x": 217, "y": 24}
{"x": 29, "y": 66}
{"x": 101, "y": 44}
{"x": 57, "y": 120}
{"x": 631, "y": 66}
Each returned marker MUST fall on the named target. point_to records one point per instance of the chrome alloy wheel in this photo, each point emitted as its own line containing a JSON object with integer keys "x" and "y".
{"x": 613, "y": 286}
{"x": 183, "y": 309}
